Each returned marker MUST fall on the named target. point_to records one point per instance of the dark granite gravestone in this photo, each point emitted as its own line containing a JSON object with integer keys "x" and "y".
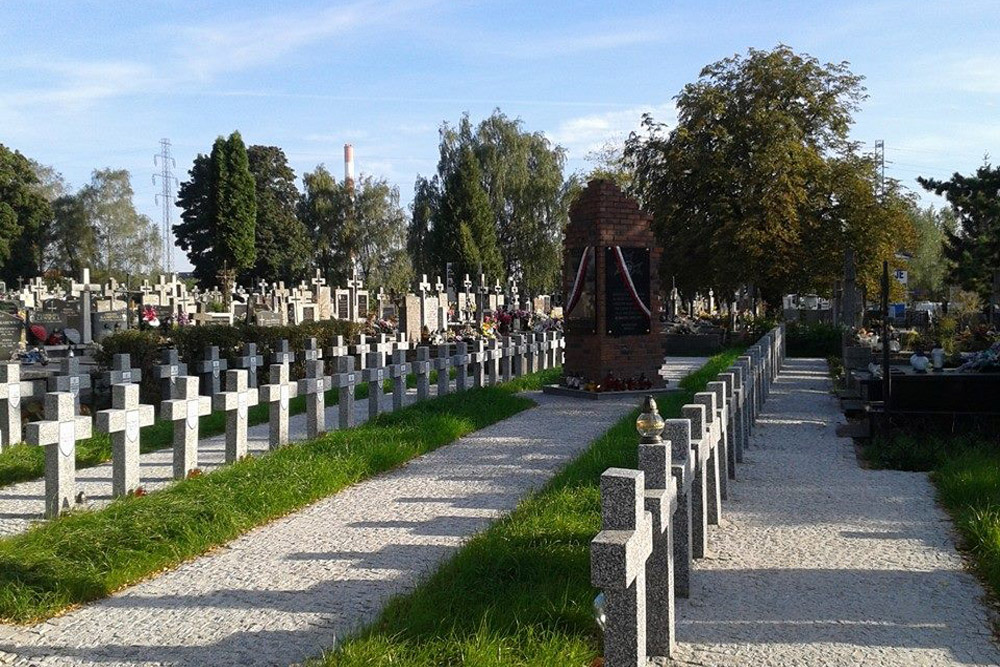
{"x": 108, "y": 322}
{"x": 11, "y": 329}
{"x": 51, "y": 315}
{"x": 362, "y": 305}
{"x": 343, "y": 306}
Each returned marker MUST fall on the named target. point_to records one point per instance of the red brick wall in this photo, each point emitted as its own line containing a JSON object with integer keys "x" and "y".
{"x": 603, "y": 216}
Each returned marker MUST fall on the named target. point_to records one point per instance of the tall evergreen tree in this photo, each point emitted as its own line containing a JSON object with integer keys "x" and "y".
{"x": 283, "y": 251}
{"x": 235, "y": 206}
{"x": 195, "y": 233}
{"x": 464, "y": 232}
{"x": 423, "y": 210}
{"x": 973, "y": 248}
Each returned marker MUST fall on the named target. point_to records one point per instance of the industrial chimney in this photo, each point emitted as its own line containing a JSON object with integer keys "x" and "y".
{"x": 349, "y": 165}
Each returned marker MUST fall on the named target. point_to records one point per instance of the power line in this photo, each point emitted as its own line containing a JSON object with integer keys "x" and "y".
{"x": 168, "y": 183}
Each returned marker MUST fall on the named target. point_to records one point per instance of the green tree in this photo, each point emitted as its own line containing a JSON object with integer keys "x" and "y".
{"x": 423, "y": 210}
{"x": 972, "y": 249}
{"x": 759, "y": 183}
{"x": 71, "y": 243}
{"x": 282, "y": 246}
{"x": 24, "y": 212}
{"x": 464, "y": 232}
{"x": 360, "y": 225}
{"x": 195, "y": 233}
{"x": 521, "y": 174}
{"x": 928, "y": 269}
{"x": 235, "y": 207}
{"x": 323, "y": 209}
{"x": 125, "y": 241}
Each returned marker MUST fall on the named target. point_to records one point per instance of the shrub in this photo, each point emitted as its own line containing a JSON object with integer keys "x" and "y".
{"x": 191, "y": 342}
{"x": 813, "y": 340}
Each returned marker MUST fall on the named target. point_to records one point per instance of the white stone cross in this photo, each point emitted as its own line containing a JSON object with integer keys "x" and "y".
{"x": 374, "y": 375}
{"x": 236, "y": 402}
{"x": 58, "y": 434}
{"x": 618, "y": 565}
{"x": 313, "y": 386}
{"x": 210, "y": 369}
{"x": 71, "y": 380}
{"x": 338, "y": 349}
{"x": 283, "y": 354}
{"x": 249, "y": 362}
{"x": 461, "y": 362}
{"x": 277, "y": 395}
{"x": 422, "y": 369}
{"x": 123, "y": 422}
{"x": 10, "y": 404}
{"x": 661, "y": 503}
{"x": 121, "y": 371}
{"x": 168, "y": 371}
{"x": 344, "y": 380}
{"x": 184, "y": 411}
{"x": 398, "y": 371}
{"x": 442, "y": 364}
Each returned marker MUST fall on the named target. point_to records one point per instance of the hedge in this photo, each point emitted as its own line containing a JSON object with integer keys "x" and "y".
{"x": 191, "y": 342}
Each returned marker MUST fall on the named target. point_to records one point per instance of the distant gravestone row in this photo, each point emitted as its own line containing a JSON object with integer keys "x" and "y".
{"x": 86, "y": 312}
{"x": 187, "y": 398}
{"x": 655, "y": 520}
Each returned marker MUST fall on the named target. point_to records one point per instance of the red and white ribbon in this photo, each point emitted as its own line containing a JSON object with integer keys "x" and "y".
{"x": 581, "y": 271}
{"x": 627, "y": 278}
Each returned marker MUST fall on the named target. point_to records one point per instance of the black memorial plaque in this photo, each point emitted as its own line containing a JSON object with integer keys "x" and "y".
{"x": 363, "y": 306}
{"x": 581, "y": 301}
{"x": 108, "y": 322}
{"x": 343, "y": 307}
{"x": 627, "y": 291}
{"x": 10, "y": 335}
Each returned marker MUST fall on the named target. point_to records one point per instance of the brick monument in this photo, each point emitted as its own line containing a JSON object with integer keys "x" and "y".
{"x": 610, "y": 278}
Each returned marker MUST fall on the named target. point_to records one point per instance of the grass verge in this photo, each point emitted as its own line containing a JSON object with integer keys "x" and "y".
{"x": 518, "y": 593}
{"x": 87, "y": 555}
{"x": 965, "y": 470}
{"x": 22, "y": 462}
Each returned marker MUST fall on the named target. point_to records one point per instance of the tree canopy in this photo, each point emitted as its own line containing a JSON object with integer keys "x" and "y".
{"x": 235, "y": 204}
{"x": 759, "y": 183}
{"x": 24, "y": 213}
{"x": 972, "y": 249}
{"x": 515, "y": 227}
{"x": 283, "y": 251}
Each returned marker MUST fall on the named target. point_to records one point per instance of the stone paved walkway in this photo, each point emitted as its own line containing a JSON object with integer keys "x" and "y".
{"x": 823, "y": 563}
{"x": 288, "y": 590}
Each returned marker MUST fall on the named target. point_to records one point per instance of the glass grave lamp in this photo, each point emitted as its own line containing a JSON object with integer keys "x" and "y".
{"x": 649, "y": 423}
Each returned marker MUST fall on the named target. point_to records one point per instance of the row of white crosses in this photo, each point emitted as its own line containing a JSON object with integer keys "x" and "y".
{"x": 188, "y": 398}
{"x": 655, "y": 520}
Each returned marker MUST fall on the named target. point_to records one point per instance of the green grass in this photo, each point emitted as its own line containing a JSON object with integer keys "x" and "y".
{"x": 86, "y": 555}
{"x": 519, "y": 593}
{"x": 22, "y": 462}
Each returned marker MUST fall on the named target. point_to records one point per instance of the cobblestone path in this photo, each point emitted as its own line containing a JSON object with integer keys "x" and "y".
{"x": 288, "y": 590}
{"x": 823, "y": 563}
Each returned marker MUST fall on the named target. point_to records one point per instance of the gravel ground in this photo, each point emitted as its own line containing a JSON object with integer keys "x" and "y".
{"x": 823, "y": 563}
{"x": 288, "y": 590}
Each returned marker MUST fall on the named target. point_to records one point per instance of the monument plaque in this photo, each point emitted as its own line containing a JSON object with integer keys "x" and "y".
{"x": 10, "y": 334}
{"x": 343, "y": 306}
{"x": 626, "y": 284}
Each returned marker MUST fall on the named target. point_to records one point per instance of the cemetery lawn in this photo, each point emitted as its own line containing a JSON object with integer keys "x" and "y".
{"x": 518, "y": 593}
{"x": 84, "y": 556}
{"x": 21, "y": 463}
{"x": 966, "y": 473}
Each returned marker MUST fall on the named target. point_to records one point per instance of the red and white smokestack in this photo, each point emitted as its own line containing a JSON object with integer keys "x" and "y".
{"x": 349, "y": 165}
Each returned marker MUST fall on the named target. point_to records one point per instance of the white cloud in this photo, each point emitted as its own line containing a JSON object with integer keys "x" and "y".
{"x": 212, "y": 49}
{"x": 584, "y": 134}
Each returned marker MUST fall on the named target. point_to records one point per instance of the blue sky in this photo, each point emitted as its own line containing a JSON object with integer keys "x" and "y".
{"x": 96, "y": 83}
